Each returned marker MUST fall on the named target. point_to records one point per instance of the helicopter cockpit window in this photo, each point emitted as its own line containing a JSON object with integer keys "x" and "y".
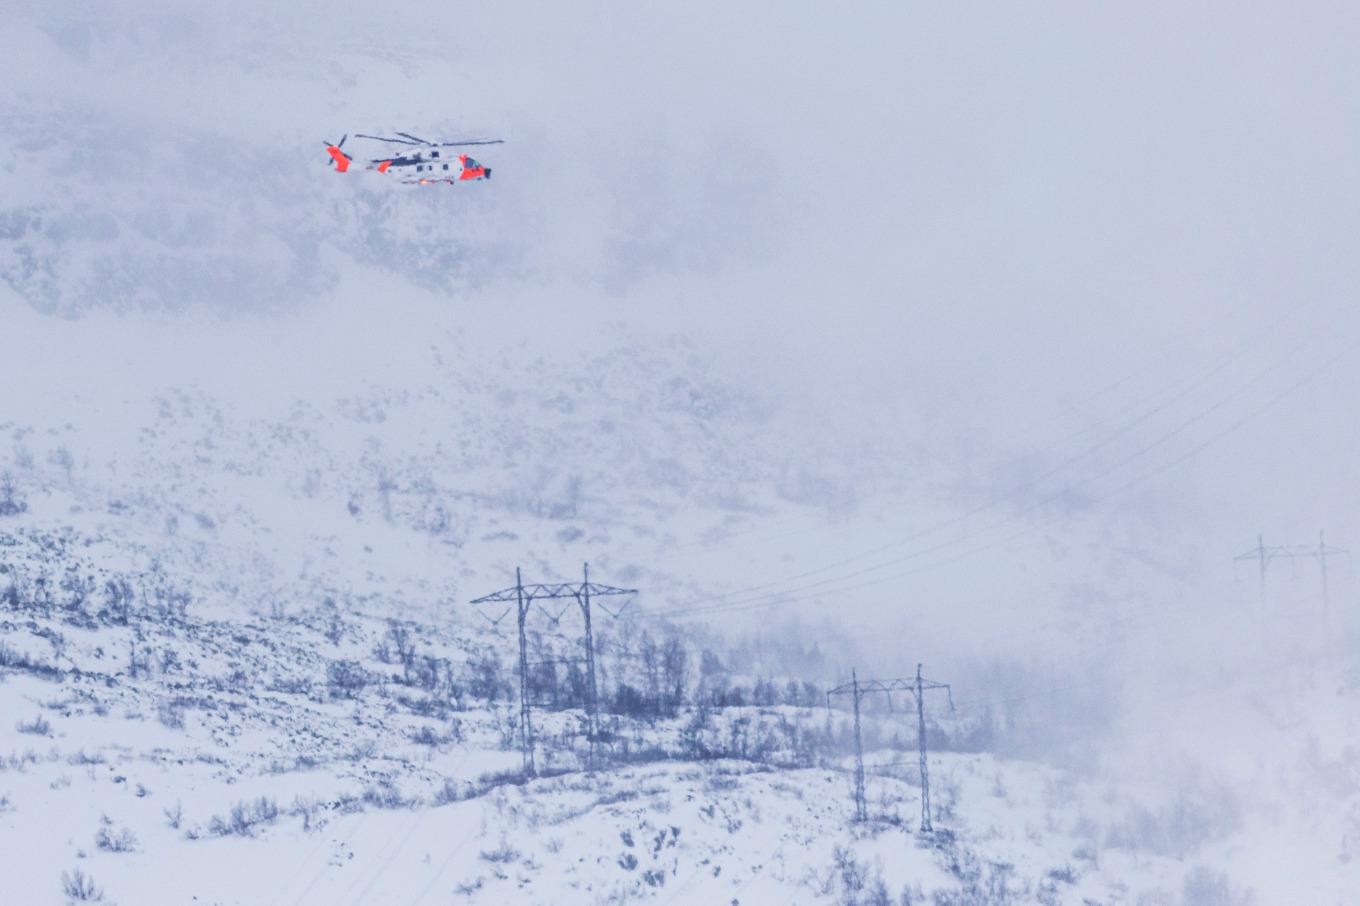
{"x": 446, "y": 166}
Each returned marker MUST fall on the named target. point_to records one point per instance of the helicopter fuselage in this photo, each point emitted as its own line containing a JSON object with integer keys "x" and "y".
{"x": 432, "y": 166}
{"x": 420, "y": 162}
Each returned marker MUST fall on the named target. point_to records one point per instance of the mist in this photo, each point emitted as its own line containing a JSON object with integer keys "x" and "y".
{"x": 988, "y": 337}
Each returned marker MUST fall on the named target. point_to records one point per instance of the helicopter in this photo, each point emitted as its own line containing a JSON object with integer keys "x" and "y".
{"x": 425, "y": 165}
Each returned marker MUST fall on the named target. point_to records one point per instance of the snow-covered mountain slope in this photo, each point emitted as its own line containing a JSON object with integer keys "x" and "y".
{"x": 273, "y": 492}
{"x": 381, "y": 444}
{"x": 851, "y": 341}
{"x": 303, "y": 760}
{"x": 425, "y": 467}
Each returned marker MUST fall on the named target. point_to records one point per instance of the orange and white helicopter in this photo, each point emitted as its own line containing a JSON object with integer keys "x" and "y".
{"x": 426, "y": 164}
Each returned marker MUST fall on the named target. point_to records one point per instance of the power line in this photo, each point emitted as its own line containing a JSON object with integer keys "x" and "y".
{"x": 783, "y": 596}
{"x": 1179, "y": 393}
{"x": 985, "y": 507}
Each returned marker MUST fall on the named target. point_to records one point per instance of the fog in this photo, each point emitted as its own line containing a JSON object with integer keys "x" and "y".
{"x": 1057, "y": 298}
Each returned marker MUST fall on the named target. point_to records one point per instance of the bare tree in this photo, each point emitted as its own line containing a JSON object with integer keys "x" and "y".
{"x": 11, "y": 504}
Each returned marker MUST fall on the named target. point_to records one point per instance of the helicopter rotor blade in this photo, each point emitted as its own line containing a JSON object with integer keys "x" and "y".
{"x": 342, "y": 140}
{"x": 379, "y": 138}
{"x": 414, "y": 139}
{"x": 478, "y": 141}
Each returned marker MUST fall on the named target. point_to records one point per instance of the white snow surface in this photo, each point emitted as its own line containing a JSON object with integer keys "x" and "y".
{"x": 291, "y": 408}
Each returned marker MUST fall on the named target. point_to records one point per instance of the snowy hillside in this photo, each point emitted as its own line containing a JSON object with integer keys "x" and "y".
{"x": 307, "y": 759}
{"x": 1001, "y": 354}
{"x": 237, "y": 641}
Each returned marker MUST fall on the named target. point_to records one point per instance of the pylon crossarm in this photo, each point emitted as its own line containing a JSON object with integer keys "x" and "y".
{"x": 568, "y": 590}
{"x": 543, "y": 592}
{"x": 866, "y": 686}
{"x": 548, "y": 592}
{"x": 599, "y": 590}
{"x": 504, "y": 596}
{"x": 894, "y": 685}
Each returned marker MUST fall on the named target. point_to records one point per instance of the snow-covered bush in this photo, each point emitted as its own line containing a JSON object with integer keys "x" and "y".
{"x": 11, "y": 502}
{"x": 109, "y": 840}
{"x": 171, "y": 715}
{"x": 503, "y": 853}
{"x": 345, "y": 679}
{"x": 245, "y": 817}
{"x": 851, "y": 882}
{"x": 384, "y": 794}
{"x": 10, "y": 657}
{"x": 38, "y": 726}
{"x": 80, "y": 887}
{"x": 426, "y": 736}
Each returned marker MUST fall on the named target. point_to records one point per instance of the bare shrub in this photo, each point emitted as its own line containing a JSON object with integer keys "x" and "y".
{"x": 79, "y": 886}
{"x": 385, "y": 794}
{"x": 11, "y": 503}
{"x": 501, "y": 854}
{"x": 37, "y": 727}
{"x": 171, "y": 715}
{"x": 9, "y": 657}
{"x": 114, "y": 841}
{"x": 305, "y": 809}
{"x": 139, "y": 661}
{"x": 83, "y": 758}
{"x": 291, "y": 685}
{"x": 118, "y": 597}
{"x": 976, "y": 887}
{"x": 346, "y": 679}
{"x": 425, "y": 736}
{"x": 244, "y": 817}
{"x": 1066, "y": 874}
{"x": 449, "y": 792}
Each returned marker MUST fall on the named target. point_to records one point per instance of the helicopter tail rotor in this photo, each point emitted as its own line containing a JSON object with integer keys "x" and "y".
{"x": 340, "y": 158}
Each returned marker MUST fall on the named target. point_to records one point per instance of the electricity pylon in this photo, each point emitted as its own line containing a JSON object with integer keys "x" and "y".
{"x": 522, "y": 597}
{"x": 921, "y": 686}
{"x": 917, "y": 687}
{"x": 1263, "y": 555}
